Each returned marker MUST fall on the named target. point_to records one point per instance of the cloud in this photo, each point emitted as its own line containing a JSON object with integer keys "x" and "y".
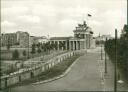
{"x": 14, "y": 10}
{"x": 95, "y": 23}
{"x": 29, "y": 19}
{"x": 8, "y": 24}
{"x": 115, "y": 18}
{"x": 44, "y": 10}
{"x": 8, "y": 27}
{"x": 68, "y": 22}
{"x": 60, "y": 17}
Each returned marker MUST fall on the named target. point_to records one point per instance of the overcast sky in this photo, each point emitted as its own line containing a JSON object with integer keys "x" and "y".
{"x": 60, "y": 17}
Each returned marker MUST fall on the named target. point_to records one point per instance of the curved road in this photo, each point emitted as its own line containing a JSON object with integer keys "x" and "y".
{"x": 85, "y": 75}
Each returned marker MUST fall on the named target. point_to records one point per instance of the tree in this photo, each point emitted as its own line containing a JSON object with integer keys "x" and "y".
{"x": 39, "y": 50}
{"x": 122, "y": 51}
{"x": 24, "y": 53}
{"x": 33, "y": 51}
{"x": 61, "y": 45}
{"x": 38, "y": 45}
{"x": 15, "y": 55}
{"x": 8, "y": 44}
{"x": 47, "y": 47}
{"x": 53, "y": 46}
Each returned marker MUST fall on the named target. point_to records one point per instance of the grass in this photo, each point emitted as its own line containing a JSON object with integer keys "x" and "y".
{"x": 7, "y": 55}
{"x": 51, "y": 73}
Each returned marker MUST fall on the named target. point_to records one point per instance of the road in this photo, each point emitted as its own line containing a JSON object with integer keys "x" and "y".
{"x": 86, "y": 75}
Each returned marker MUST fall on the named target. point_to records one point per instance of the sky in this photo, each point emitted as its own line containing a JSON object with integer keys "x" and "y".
{"x": 60, "y": 17}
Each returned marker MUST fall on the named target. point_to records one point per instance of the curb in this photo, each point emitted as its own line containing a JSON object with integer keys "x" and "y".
{"x": 58, "y": 77}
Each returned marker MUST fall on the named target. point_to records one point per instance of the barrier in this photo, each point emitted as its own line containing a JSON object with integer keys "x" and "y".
{"x": 19, "y": 76}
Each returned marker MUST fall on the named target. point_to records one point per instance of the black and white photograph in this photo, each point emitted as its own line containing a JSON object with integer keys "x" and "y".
{"x": 64, "y": 46}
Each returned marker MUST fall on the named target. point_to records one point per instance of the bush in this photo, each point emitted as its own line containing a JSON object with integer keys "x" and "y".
{"x": 33, "y": 51}
{"x": 39, "y": 50}
{"x": 24, "y": 53}
{"x": 15, "y": 55}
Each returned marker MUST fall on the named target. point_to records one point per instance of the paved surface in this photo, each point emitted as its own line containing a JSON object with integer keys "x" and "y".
{"x": 86, "y": 75}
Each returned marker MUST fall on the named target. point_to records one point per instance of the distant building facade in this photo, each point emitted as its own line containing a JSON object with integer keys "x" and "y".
{"x": 42, "y": 39}
{"x": 32, "y": 40}
{"x": 23, "y": 39}
{"x": 36, "y": 40}
{"x": 8, "y": 39}
{"x": 15, "y": 39}
{"x": 83, "y": 39}
{"x": 103, "y": 37}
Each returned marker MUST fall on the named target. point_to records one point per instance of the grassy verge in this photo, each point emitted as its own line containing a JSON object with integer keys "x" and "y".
{"x": 51, "y": 73}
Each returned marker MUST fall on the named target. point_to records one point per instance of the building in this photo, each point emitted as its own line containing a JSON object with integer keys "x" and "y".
{"x": 61, "y": 40}
{"x": 36, "y": 40}
{"x": 83, "y": 39}
{"x": 23, "y": 39}
{"x": 103, "y": 37}
{"x": 8, "y": 39}
{"x": 32, "y": 40}
{"x": 19, "y": 38}
{"x": 42, "y": 39}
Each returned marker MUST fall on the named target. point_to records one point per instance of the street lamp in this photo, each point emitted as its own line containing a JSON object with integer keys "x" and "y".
{"x": 28, "y": 45}
{"x": 0, "y": 61}
{"x": 101, "y": 53}
{"x": 101, "y": 48}
{"x": 105, "y": 61}
{"x": 127, "y": 12}
{"x": 115, "y": 72}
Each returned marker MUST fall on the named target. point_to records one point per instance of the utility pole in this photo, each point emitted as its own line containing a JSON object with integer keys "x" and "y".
{"x": 101, "y": 53}
{"x": 101, "y": 48}
{"x": 28, "y": 45}
{"x": 0, "y": 59}
{"x": 127, "y": 12}
{"x": 115, "y": 72}
{"x": 105, "y": 61}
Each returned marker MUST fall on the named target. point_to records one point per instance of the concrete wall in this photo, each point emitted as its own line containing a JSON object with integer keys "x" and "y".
{"x": 9, "y": 80}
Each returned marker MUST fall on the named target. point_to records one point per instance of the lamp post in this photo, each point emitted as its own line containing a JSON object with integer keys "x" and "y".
{"x": 101, "y": 48}
{"x": 105, "y": 61}
{"x": 115, "y": 71}
{"x": 101, "y": 53}
{"x": 28, "y": 46}
{"x": 127, "y": 12}
{"x": 0, "y": 60}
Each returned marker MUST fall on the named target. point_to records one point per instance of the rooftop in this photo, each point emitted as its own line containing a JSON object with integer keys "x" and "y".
{"x": 60, "y": 38}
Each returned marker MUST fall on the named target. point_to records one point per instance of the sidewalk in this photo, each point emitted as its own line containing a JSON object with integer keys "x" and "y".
{"x": 109, "y": 77}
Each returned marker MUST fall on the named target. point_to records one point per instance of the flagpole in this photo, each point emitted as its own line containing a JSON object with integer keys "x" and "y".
{"x": 87, "y": 20}
{"x": 88, "y": 15}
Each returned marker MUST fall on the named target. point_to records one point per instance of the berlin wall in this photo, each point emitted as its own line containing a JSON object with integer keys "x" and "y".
{"x": 19, "y": 76}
